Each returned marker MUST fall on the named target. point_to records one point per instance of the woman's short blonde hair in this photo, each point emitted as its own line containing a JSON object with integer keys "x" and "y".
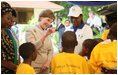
{"x": 47, "y": 13}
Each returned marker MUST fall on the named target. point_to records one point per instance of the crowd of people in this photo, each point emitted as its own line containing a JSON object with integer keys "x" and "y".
{"x": 79, "y": 52}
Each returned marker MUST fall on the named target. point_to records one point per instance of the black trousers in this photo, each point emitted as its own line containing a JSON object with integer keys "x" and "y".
{"x": 109, "y": 71}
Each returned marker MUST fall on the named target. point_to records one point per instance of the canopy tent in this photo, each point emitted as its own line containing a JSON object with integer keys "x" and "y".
{"x": 91, "y": 3}
{"x": 36, "y": 4}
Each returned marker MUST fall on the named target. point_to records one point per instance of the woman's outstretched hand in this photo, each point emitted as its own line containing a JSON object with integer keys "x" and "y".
{"x": 50, "y": 30}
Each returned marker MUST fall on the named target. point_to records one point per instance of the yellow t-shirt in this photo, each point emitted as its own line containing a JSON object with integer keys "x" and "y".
{"x": 69, "y": 63}
{"x": 104, "y": 36}
{"x": 104, "y": 55}
{"x": 25, "y": 69}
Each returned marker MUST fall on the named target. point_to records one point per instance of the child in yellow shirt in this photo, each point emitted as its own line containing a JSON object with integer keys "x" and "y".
{"x": 28, "y": 53}
{"x": 103, "y": 58}
{"x": 68, "y": 62}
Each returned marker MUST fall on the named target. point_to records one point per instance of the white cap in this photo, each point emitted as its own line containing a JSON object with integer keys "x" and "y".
{"x": 75, "y": 11}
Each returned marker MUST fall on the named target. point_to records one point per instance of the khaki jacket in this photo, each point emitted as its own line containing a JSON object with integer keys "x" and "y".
{"x": 44, "y": 50}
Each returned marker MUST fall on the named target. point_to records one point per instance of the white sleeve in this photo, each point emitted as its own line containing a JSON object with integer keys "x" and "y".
{"x": 88, "y": 21}
{"x": 68, "y": 29}
{"x": 97, "y": 22}
{"x": 86, "y": 34}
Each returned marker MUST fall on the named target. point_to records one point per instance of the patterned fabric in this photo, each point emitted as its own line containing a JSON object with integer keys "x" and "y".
{"x": 14, "y": 44}
{"x": 7, "y": 51}
{"x": 5, "y": 4}
{"x": 5, "y": 8}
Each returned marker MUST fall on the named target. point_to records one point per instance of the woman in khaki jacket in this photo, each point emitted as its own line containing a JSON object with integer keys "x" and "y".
{"x": 41, "y": 39}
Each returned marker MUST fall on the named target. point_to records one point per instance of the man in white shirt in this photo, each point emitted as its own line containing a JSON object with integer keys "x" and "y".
{"x": 94, "y": 21}
{"x": 81, "y": 30}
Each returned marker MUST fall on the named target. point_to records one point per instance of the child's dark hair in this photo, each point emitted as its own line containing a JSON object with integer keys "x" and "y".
{"x": 69, "y": 39}
{"x": 99, "y": 39}
{"x": 26, "y": 49}
{"x": 90, "y": 44}
{"x": 14, "y": 13}
{"x": 111, "y": 18}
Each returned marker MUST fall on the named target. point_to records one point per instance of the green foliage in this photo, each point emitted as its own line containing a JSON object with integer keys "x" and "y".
{"x": 31, "y": 22}
{"x": 64, "y": 19}
{"x": 99, "y": 35}
{"x": 63, "y": 13}
{"x": 55, "y": 38}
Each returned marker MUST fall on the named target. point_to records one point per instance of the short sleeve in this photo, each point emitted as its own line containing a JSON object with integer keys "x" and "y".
{"x": 94, "y": 58}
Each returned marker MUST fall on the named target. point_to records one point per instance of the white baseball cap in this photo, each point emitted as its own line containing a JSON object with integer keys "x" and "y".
{"x": 75, "y": 11}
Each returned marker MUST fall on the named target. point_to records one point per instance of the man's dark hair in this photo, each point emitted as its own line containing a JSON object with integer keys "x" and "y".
{"x": 69, "y": 39}
{"x": 14, "y": 13}
{"x": 26, "y": 49}
{"x": 60, "y": 19}
{"x": 111, "y": 18}
{"x": 113, "y": 32}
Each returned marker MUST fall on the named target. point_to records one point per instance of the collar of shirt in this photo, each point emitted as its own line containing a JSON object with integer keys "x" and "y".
{"x": 80, "y": 27}
{"x": 58, "y": 25}
{"x": 39, "y": 27}
{"x": 107, "y": 41}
